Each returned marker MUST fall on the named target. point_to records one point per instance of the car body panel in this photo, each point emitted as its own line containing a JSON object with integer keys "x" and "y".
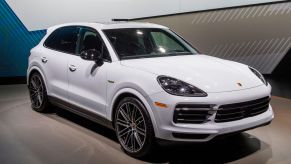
{"x": 87, "y": 84}
{"x": 54, "y": 69}
{"x": 96, "y": 88}
{"x": 164, "y": 116}
{"x": 207, "y": 73}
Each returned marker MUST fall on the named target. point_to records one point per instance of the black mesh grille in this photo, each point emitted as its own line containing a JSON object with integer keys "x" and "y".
{"x": 237, "y": 111}
{"x": 192, "y": 113}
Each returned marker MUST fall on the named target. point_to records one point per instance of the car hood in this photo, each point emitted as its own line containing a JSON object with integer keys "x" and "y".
{"x": 207, "y": 73}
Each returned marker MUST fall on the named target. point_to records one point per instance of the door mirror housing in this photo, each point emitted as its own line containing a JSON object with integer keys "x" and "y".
{"x": 92, "y": 55}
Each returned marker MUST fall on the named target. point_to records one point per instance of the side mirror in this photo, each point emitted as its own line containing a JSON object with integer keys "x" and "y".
{"x": 92, "y": 55}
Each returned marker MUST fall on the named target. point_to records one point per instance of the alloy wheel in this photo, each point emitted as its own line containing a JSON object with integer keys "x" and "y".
{"x": 131, "y": 127}
{"x": 36, "y": 91}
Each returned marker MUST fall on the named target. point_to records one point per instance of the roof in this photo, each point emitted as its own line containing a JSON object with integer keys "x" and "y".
{"x": 110, "y": 25}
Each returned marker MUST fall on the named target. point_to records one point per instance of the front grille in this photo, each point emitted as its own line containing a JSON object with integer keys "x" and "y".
{"x": 237, "y": 111}
{"x": 192, "y": 113}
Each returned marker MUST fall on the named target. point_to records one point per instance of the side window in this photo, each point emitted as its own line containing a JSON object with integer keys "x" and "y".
{"x": 91, "y": 40}
{"x": 63, "y": 39}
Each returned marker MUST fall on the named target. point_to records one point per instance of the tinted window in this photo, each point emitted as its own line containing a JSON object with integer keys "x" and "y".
{"x": 130, "y": 43}
{"x": 63, "y": 39}
{"x": 91, "y": 40}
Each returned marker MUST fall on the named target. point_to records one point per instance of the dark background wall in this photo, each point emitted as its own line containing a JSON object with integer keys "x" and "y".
{"x": 15, "y": 43}
{"x": 280, "y": 79}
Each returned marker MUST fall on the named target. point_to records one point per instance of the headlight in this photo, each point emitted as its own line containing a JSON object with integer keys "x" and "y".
{"x": 259, "y": 75}
{"x": 179, "y": 88}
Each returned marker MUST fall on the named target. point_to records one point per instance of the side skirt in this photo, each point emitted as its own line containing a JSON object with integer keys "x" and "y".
{"x": 81, "y": 112}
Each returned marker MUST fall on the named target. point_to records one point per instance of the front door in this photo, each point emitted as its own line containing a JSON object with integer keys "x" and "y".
{"x": 87, "y": 80}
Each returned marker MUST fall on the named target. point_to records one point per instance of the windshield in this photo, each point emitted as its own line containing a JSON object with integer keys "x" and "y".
{"x": 132, "y": 43}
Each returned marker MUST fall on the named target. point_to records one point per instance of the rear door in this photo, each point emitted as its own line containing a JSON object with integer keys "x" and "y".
{"x": 60, "y": 45}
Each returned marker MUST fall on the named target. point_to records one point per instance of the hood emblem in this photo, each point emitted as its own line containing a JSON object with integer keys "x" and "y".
{"x": 239, "y": 84}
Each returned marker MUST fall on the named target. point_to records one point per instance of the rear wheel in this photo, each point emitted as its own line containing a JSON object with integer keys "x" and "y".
{"x": 38, "y": 94}
{"x": 133, "y": 127}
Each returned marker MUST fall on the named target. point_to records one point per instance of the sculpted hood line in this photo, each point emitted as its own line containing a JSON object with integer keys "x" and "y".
{"x": 207, "y": 73}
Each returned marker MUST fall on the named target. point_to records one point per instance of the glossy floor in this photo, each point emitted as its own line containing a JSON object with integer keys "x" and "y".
{"x": 62, "y": 137}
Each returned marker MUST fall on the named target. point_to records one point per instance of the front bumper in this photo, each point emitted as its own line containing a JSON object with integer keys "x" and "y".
{"x": 168, "y": 130}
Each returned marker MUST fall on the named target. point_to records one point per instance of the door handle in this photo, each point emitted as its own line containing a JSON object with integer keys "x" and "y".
{"x": 72, "y": 68}
{"x": 43, "y": 59}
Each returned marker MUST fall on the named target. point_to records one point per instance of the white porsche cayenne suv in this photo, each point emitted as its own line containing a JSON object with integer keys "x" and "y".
{"x": 146, "y": 83}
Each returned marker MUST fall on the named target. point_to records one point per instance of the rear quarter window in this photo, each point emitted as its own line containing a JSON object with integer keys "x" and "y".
{"x": 63, "y": 39}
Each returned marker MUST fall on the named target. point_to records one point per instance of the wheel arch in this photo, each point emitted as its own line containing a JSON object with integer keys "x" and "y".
{"x": 130, "y": 92}
{"x": 36, "y": 69}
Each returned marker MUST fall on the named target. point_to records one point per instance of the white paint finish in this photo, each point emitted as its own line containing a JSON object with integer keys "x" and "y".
{"x": 87, "y": 85}
{"x": 217, "y": 77}
{"x": 167, "y": 127}
{"x": 54, "y": 70}
{"x": 200, "y": 70}
{"x": 42, "y": 14}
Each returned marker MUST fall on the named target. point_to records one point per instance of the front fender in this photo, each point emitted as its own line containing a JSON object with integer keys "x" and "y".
{"x": 141, "y": 94}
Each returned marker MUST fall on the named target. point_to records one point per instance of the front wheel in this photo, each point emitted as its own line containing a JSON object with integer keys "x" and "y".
{"x": 134, "y": 128}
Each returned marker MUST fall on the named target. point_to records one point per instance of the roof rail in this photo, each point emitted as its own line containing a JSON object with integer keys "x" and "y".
{"x": 117, "y": 19}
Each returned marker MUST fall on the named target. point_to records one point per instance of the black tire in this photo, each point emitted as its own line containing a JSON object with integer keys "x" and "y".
{"x": 134, "y": 128}
{"x": 37, "y": 93}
